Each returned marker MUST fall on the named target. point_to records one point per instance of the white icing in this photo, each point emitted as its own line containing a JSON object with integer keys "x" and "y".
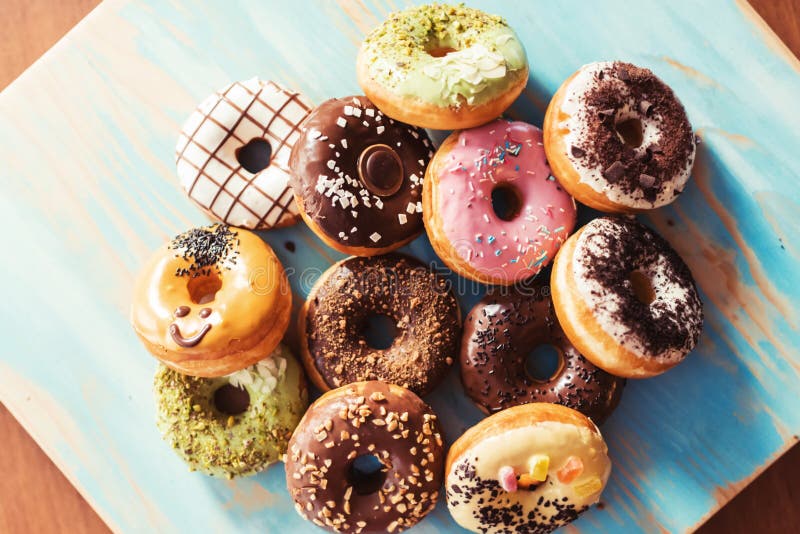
{"x": 515, "y": 448}
{"x": 224, "y": 122}
{"x": 576, "y": 125}
{"x": 261, "y": 377}
{"x": 466, "y": 71}
{"x": 605, "y": 303}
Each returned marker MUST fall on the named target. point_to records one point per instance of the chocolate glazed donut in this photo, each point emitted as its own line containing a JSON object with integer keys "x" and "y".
{"x": 366, "y": 419}
{"x": 498, "y": 334}
{"x": 357, "y": 176}
{"x": 420, "y": 303}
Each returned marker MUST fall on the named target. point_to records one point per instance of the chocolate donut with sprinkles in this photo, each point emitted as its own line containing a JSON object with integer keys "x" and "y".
{"x": 499, "y": 333}
{"x": 336, "y": 314}
{"x": 531, "y": 468}
{"x": 357, "y": 177}
{"x": 625, "y": 298}
{"x": 327, "y": 466}
{"x": 618, "y": 139}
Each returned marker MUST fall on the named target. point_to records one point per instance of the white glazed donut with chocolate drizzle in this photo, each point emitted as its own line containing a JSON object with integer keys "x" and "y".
{"x": 233, "y": 154}
{"x": 357, "y": 177}
{"x": 625, "y": 299}
{"x": 618, "y": 139}
{"x": 531, "y": 468}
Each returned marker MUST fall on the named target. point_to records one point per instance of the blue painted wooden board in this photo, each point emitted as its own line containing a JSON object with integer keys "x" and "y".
{"x": 88, "y": 190}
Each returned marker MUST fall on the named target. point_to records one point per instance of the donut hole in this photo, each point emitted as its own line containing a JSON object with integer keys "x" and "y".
{"x": 544, "y": 362}
{"x": 642, "y": 287}
{"x": 379, "y": 331}
{"x": 506, "y": 201}
{"x": 436, "y": 48}
{"x": 231, "y": 400}
{"x": 631, "y": 131}
{"x": 255, "y": 155}
{"x": 203, "y": 289}
{"x": 366, "y": 474}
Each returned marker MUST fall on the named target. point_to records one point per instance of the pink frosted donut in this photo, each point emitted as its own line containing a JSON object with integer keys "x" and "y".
{"x": 492, "y": 210}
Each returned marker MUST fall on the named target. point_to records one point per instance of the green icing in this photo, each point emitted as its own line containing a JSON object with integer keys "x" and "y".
{"x": 485, "y": 60}
{"x": 224, "y": 445}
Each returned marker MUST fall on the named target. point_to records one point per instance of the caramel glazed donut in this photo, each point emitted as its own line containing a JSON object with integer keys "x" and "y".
{"x": 498, "y": 335}
{"x": 618, "y": 139}
{"x": 357, "y": 177}
{"x": 362, "y": 420}
{"x": 531, "y": 468}
{"x": 625, "y": 299}
{"x": 212, "y": 301}
{"x": 421, "y": 304}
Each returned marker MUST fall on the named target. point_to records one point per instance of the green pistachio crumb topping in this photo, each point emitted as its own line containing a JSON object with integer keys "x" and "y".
{"x": 225, "y": 445}
{"x": 444, "y": 54}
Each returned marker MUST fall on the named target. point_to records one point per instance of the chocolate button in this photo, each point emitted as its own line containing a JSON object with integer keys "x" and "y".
{"x": 380, "y": 170}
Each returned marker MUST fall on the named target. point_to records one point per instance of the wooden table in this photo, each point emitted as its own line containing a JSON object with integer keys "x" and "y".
{"x": 36, "y": 497}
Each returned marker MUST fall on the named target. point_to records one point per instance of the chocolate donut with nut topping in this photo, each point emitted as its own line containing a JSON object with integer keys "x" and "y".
{"x": 498, "y": 334}
{"x": 374, "y": 420}
{"x": 420, "y": 303}
{"x": 357, "y": 177}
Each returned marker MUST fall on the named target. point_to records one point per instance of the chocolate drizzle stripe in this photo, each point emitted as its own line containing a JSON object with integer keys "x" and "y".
{"x": 189, "y": 342}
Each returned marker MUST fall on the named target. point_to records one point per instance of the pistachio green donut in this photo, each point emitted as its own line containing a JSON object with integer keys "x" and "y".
{"x": 225, "y": 445}
{"x": 484, "y": 58}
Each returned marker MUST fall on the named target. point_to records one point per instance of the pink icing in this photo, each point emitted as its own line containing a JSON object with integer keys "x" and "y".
{"x": 503, "y": 152}
{"x": 507, "y": 478}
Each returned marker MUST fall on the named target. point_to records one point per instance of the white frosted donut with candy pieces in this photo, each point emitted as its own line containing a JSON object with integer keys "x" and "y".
{"x": 233, "y": 152}
{"x": 530, "y": 468}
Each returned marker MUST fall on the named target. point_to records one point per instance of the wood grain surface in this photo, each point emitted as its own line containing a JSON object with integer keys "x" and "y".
{"x": 36, "y": 497}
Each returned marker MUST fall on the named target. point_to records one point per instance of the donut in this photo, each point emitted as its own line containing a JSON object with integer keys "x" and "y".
{"x": 470, "y": 170}
{"x": 357, "y": 177}
{"x": 211, "y": 301}
{"x": 531, "y": 468}
{"x": 375, "y": 421}
{"x": 420, "y": 304}
{"x": 625, "y": 299}
{"x": 233, "y": 152}
{"x": 233, "y": 425}
{"x": 443, "y": 67}
{"x": 618, "y": 139}
{"x": 500, "y": 332}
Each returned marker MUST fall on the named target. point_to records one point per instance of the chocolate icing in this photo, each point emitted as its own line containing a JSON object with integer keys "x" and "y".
{"x": 177, "y": 337}
{"x": 420, "y": 302}
{"x": 398, "y": 428}
{"x": 498, "y": 334}
{"x": 374, "y": 211}
{"x": 182, "y": 311}
{"x": 628, "y": 245}
{"x": 603, "y": 148}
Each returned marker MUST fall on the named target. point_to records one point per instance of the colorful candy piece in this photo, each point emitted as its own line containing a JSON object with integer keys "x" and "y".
{"x": 507, "y": 478}
{"x": 589, "y": 487}
{"x": 538, "y": 466}
{"x": 571, "y": 470}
